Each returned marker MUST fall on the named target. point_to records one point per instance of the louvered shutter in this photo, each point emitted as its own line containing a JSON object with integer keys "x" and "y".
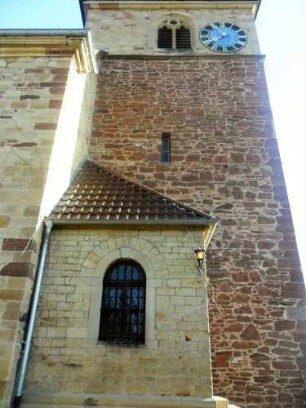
{"x": 165, "y": 38}
{"x": 183, "y": 38}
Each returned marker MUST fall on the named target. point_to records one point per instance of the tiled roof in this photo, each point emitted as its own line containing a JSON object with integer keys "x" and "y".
{"x": 97, "y": 196}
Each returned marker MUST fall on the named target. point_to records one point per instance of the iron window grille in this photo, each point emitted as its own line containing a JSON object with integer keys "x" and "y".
{"x": 123, "y": 304}
{"x": 173, "y": 34}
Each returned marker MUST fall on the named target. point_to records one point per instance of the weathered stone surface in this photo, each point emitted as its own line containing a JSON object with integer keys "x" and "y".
{"x": 10, "y": 294}
{"x": 4, "y": 221}
{"x": 31, "y": 211}
{"x": 24, "y": 97}
{"x": 293, "y": 290}
{"x": 16, "y": 244}
{"x": 175, "y": 359}
{"x": 27, "y": 144}
{"x": 224, "y": 160}
{"x": 250, "y": 333}
{"x": 223, "y": 357}
{"x": 285, "y": 325}
{"x": 27, "y": 136}
{"x": 12, "y": 311}
{"x": 45, "y": 126}
{"x": 18, "y": 269}
{"x": 110, "y": 25}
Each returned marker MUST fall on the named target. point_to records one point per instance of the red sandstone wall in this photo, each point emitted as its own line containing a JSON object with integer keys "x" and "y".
{"x": 225, "y": 161}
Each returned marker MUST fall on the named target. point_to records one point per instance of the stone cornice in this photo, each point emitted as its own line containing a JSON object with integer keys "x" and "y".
{"x": 180, "y": 56}
{"x": 155, "y": 5}
{"x": 28, "y": 44}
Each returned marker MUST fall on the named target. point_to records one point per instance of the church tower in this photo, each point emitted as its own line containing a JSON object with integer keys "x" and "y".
{"x": 138, "y": 141}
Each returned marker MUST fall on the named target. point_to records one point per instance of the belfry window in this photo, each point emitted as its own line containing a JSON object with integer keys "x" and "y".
{"x": 173, "y": 34}
{"x": 123, "y": 304}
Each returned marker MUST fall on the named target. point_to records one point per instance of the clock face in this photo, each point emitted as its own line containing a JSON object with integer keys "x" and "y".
{"x": 223, "y": 37}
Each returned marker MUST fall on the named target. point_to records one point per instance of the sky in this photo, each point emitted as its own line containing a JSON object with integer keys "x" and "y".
{"x": 282, "y": 35}
{"x": 40, "y": 14}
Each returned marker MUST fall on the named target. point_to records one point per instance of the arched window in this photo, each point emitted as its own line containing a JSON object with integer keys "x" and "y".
{"x": 123, "y": 303}
{"x": 173, "y": 34}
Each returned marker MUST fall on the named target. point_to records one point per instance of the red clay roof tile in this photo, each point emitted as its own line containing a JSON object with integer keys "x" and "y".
{"x": 98, "y": 196}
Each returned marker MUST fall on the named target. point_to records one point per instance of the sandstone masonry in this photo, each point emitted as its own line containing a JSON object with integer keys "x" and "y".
{"x": 34, "y": 92}
{"x": 31, "y": 97}
{"x": 224, "y": 159}
{"x": 66, "y": 356}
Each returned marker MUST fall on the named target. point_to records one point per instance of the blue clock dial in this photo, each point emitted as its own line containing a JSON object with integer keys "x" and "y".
{"x": 223, "y": 37}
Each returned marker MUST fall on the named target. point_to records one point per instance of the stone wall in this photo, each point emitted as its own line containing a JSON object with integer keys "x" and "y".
{"x": 66, "y": 354}
{"x": 133, "y": 29}
{"x": 225, "y": 160}
{"x": 31, "y": 96}
{"x": 34, "y": 93}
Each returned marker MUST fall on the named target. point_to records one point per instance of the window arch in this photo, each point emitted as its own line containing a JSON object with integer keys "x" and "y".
{"x": 173, "y": 34}
{"x": 123, "y": 303}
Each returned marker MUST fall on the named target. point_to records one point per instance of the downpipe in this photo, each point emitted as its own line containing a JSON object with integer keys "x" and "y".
{"x": 32, "y": 316}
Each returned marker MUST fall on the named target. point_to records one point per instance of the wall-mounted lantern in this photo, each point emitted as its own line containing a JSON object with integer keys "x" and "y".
{"x": 200, "y": 255}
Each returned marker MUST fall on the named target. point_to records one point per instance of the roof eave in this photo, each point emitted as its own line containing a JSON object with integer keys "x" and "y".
{"x": 198, "y": 222}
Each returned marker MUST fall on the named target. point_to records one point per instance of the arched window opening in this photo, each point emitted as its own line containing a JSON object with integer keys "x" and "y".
{"x": 173, "y": 34}
{"x": 123, "y": 304}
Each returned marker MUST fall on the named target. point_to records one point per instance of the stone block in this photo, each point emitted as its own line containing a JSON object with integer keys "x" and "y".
{"x": 12, "y": 311}
{"x": 11, "y": 294}
{"x": 5, "y": 368}
{"x": 4, "y": 221}
{"x": 77, "y": 332}
{"x": 284, "y": 325}
{"x": 185, "y": 292}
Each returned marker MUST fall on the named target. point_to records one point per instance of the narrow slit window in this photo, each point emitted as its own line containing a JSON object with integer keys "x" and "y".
{"x": 165, "y": 148}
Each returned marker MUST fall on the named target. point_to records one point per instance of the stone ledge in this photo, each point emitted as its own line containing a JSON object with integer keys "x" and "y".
{"x": 156, "y": 5}
{"x": 119, "y": 401}
{"x": 32, "y": 45}
{"x": 184, "y": 55}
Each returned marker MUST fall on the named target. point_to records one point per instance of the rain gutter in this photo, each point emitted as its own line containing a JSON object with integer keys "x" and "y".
{"x": 211, "y": 221}
{"x": 29, "y": 333}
